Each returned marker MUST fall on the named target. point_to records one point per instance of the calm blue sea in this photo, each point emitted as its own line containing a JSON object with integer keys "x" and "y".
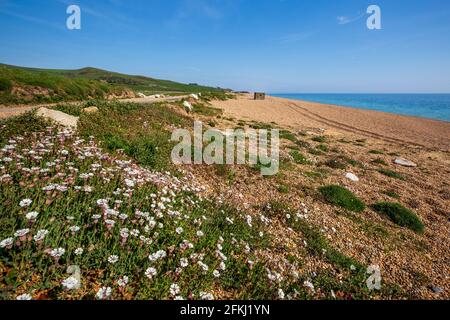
{"x": 434, "y": 106}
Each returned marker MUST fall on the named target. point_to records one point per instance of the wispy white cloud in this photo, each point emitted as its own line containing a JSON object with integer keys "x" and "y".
{"x": 342, "y": 20}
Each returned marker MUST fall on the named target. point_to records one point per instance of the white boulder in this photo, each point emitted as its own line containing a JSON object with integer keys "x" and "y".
{"x": 351, "y": 177}
{"x": 187, "y": 106}
{"x": 404, "y": 162}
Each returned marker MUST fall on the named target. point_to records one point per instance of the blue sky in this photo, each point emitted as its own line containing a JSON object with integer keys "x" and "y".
{"x": 270, "y": 45}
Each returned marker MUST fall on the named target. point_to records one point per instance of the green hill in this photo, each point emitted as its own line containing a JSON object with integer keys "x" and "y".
{"x": 31, "y": 85}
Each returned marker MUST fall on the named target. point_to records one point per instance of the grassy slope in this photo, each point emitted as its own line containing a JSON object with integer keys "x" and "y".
{"x": 79, "y": 82}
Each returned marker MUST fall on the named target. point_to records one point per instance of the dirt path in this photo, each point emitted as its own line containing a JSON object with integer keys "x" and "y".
{"x": 302, "y": 115}
{"x": 6, "y": 111}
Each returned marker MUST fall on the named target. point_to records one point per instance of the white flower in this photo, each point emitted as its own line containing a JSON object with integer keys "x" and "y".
{"x": 21, "y": 232}
{"x": 124, "y": 233}
{"x": 150, "y": 272}
{"x": 96, "y": 216}
{"x": 309, "y": 285}
{"x": 103, "y": 293}
{"x": 280, "y": 294}
{"x": 130, "y": 183}
{"x": 179, "y": 230}
{"x": 206, "y": 296}
{"x": 79, "y": 251}
{"x": 71, "y": 283}
{"x": 216, "y": 273}
{"x": 222, "y": 266}
{"x": 25, "y": 203}
{"x": 6, "y": 243}
{"x": 24, "y": 296}
{"x": 32, "y": 215}
{"x": 113, "y": 259}
{"x": 122, "y": 282}
{"x": 74, "y": 228}
{"x": 174, "y": 289}
{"x": 203, "y": 265}
{"x": 158, "y": 255}
{"x": 40, "y": 235}
{"x": 178, "y": 298}
{"x": 200, "y": 233}
{"x": 184, "y": 262}
{"x": 57, "y": 253}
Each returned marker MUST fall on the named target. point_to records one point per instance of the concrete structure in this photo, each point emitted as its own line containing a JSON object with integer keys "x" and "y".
{"x": 260, "y": 96}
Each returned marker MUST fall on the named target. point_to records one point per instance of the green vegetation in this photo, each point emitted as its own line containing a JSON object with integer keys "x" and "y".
{"x": 320, "y": 139}
{"x": 391, "y": 174}
{"x": 49, "y": 85}
{"x": 283, "y": 188}
{"x": 400, "y": 215}
{"x": 391, "y": 194}
{"x": 298, "y": 157}
{"x": 342, "y": 197}
{"x": 379, "y": 161}
{"x": 335, "y": 164}
{"x": 322, "y": 147}
{"x": 376, "y": 152}
{"x": 141, "y": 131}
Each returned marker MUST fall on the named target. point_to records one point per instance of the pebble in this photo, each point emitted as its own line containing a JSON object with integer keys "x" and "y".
{"x": 405, "y": 162}
{"x": 351, "y": 177}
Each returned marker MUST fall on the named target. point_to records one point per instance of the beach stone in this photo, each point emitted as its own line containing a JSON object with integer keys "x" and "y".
{"x": 90, "y": 109}
{"x": 187, "y": 106}
{"x": 351, "y": 177}
{"x": 437, "y": 289}
{"x": 404, "y": 162}
{"x": 59, "y": 117}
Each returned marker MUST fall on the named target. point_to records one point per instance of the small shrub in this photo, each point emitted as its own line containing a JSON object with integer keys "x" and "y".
{"x": 321, "y": 139}
{"x": 391, "y": 174}
{"x": 283, "y": 189}
{"x": 298, "y": 157}
{"x": 322, "y": 147}
{"x": 379, "y": 161}
{"x": 335, "y": 164}
{"x": 400, "y": 215}
{"x": 342, "y": 197}
{"x": 5, "y": 85}
{"x": 391, "y": 194}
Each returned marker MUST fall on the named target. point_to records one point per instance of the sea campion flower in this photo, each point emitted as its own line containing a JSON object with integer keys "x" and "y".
{"x": 184, "y": 262}
{"x": 40, "y": 235}
{"x": 24, "y": 296}
{"x": 174, "y": 289}
{"x": 71, "y": 283}
{"x": 32, "y": 215}
{"x": 122, "y": 282}
{"x": 281, "y": 294}
{"x": 79, "y": 251}
{"x": 57, "y": 253}
{"x": 150, "y": 273}
{"x": 74, "y": 229}
{"x": 200, "y": 233}
{"x": 203, "y": 266}
{"x": 25, "y": 203}
{"x": 206, "y": 296}
{"x": 158, "y": 255}
{"x": 7, "y": 243}
{"x": 113, "y": 259}
{"x": 103, "y": 293}
{"x": 179, "y": 230}
{"x": 216, "y": 273}
{"x": 22, "y": 233}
